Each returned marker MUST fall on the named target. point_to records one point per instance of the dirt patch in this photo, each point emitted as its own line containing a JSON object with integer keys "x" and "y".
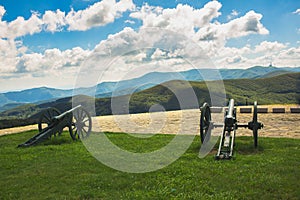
{"x": 186, "y": 122}
{"x": 7, "y": 131}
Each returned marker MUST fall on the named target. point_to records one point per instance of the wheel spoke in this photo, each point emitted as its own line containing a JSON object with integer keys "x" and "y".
{"x": 78, "y": 134}
{"x": 80, "y": 115}
{"x": 85, "y": 131}
{"x": 85, "y": 125}
{"x": 47, "y": 119}
{"x": 83, "y": 115}
{"x": 205, "y": 127}
{"x": 75, "y": 115}
{"x": 74, "y": 134}
{"x": 86, "y": 120}
{"x": 48, "y": 114}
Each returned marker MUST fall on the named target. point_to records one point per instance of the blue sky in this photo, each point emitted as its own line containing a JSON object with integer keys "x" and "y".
{"x": 278, "y": 18}
{"x": 43, "y": 40}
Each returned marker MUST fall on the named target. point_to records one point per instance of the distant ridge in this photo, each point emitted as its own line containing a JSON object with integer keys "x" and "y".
{"x": 106, "y": 89}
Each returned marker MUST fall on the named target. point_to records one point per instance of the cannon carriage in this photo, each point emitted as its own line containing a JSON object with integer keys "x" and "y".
{"x": 52, "y": 122}
{"x": 230, "y": 125}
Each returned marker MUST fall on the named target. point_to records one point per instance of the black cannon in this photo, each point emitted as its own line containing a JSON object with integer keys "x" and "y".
{"x": 225, "y": 150}
{"x": 52, "y": 122}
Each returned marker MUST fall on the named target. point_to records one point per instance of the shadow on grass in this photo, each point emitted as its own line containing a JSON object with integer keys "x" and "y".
{"x": 245, "y": 146}
{"x": 21, "y": 138}
{"x": 57, "y": 141}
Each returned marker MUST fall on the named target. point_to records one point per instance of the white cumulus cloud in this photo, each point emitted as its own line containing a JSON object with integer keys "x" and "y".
{"x": 201, "y": 24}
{"x": 52, "y": 59}
{"x": 269, "y": 47}
{"x": 54, "y": 21}
{"x": 297, "y": 11}
{"x": 8, "y": 56}
{"x": 20, "y": 27}
{"x": 245, "y": 25}
{"x": 158, "y": 54}
{"x": 281, "y": 55}
{"x": 183, "y": 18}
{"x": 98, "y": 14}
{"x": 2, "y": 12}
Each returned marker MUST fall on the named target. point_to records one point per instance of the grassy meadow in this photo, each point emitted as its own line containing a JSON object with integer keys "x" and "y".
{"x": 63, "y": 169}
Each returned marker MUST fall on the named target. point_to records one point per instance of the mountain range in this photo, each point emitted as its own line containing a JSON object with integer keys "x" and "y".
{"x": 280, "y": 89}
{"x": 39, "y": 95}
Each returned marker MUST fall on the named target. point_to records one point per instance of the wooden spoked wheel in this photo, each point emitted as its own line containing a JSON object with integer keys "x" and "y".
{"x": 205, "y": 121}
{"x": 254, "y": 125}
{"x": 46, "y": 118}
{"x": 81, "y": 124}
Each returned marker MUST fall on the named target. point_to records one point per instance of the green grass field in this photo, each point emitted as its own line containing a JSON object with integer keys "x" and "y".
{"x": 63, "y": 169}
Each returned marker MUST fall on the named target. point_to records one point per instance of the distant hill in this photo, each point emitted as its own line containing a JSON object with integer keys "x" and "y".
{"x": 108, "y": 89}
{"x": 250, "y": 73}
{"x": 32, "y": 95}
{"x": 10, "y": 106}
{"x": 281, "y": 89}
{"x": 275, "y": 73}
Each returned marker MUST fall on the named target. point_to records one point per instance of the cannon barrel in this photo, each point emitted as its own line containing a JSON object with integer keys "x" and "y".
{"x": 67, "y": 112}
{"x": 230, "y": 109}
{"x": 230, "y": 117}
